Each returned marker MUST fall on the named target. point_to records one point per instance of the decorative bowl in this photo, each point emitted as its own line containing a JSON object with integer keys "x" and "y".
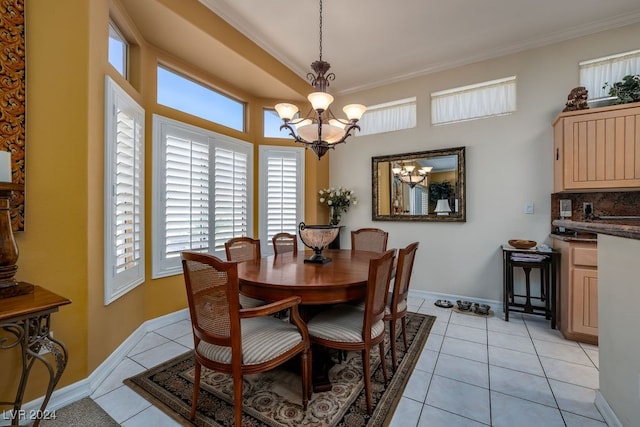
{"x": 522, "y": 244}
{"x": 317, "y": 237}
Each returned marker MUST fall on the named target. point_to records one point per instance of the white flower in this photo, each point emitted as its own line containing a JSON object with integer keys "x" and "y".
{"x": 321, "y": 199}
{"x": 329, "y": 202}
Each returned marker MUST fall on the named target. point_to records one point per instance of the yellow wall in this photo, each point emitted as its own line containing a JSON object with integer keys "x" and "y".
{"x": 62, "y": 245}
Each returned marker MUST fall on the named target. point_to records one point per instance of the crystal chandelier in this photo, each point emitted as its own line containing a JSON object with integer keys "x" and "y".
{"x": 410, "y": 175}
{"x": 320, "y": 129}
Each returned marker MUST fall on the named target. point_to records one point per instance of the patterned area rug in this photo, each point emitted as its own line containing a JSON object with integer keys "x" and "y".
{"x": 273, "y": 398}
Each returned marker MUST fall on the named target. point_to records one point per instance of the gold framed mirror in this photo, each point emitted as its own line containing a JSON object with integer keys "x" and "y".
{"x": 422, "y": 186}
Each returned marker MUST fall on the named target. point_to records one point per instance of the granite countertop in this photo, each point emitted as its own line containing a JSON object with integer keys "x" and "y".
{"x": 578, "y": 237}
{"x": 620, "y": 228}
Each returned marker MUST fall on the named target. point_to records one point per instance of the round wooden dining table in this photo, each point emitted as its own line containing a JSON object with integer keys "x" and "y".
{"x": 280, "y": 276}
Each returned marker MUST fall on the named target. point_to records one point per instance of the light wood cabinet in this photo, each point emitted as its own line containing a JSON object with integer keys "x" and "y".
{"x": 597, "y": 148}
{"x": 578, "y": 290}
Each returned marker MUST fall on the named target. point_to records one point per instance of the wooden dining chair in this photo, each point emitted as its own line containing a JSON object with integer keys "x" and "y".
{"x": 346, "y": 327}
{"x": 236, "y": 340}
{"x": 244, "y": 249}
{"x": 284, "y": 242}
{"x": 369, "y": 239}
{"x": 397, "y": 298}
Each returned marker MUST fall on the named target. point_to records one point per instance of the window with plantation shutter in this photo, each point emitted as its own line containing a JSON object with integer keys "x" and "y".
{"x": 124, "y": 198}
{"x": 202, "y": 192}
{"x": 186, "y": 202}
{"x": 281, "y": 192}
{"x": 231, "y": 190}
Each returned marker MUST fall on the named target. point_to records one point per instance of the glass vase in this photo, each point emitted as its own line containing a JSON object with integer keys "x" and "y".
{"x": 334, "y": 216}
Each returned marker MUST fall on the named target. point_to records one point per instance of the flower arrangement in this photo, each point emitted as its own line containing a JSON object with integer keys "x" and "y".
{"x": 338, "y": 200}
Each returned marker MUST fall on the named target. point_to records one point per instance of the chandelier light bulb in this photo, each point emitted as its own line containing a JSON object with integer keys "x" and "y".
{"x": 320, "y": 101}
{"x": 286, "y": 111}
{"x": 354, "y": 111}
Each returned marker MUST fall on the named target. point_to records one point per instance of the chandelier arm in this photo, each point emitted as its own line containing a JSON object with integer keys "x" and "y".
{"x": 293, "y": 133}
{"x": 347, "y": 134}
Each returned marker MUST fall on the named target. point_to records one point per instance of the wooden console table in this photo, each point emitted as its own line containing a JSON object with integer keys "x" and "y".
{"x": 27, "y": 318}
{"x": 547, "y": 262}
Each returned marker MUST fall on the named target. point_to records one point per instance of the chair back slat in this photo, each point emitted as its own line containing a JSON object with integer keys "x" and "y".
{"x": 242, "y": 249}
{"x": 369, "y": 239}
{"x": 406, "y": 257}
{"x": 212, "y": 293}
{"x": 284, "y": 242}
{"x": 377, "y": 287}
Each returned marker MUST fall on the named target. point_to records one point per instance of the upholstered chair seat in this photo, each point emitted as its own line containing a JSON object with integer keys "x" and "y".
{"x": 248, "y": 302}
{"x": 263, "y": 339}
{"x": 342, "y": 323}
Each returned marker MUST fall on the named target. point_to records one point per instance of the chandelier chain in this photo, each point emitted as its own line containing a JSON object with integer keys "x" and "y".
{"x": 320, "y": 30}
{"x": 320, "y": 130}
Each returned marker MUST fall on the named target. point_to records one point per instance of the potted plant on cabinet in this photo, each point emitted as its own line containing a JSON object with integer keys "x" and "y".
{"x": 627, "y": 90}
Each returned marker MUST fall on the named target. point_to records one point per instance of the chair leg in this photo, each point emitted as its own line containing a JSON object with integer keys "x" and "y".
{"x": 404, "y": 333}
{"x": 383, "y": 361}
{"x": 367, "y": 379}
{"x": 237, "y": 399}
{"x": 196, "y": 391}
{"x": 392, "y": 340}
{"x": 304, "y": 369}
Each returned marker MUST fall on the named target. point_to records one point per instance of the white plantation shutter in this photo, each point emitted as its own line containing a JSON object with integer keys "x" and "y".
{"x": 281, "y": 192}
{"x": 231, "y": 202}
{"x": 124, "y": 198}
{"x": 202, "y": 192}
{"x": 187, "y": 196}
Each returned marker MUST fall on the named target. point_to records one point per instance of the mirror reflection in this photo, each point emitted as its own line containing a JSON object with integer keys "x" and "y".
{"x": 423, "y": 186}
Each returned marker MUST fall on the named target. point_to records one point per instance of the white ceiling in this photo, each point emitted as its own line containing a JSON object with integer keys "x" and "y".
{"x": 374, "y": 42}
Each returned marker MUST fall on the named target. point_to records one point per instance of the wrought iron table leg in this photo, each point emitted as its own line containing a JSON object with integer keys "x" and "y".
{"x": 32, "y": 337}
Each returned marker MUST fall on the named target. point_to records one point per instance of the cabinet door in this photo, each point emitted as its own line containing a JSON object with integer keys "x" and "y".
{"x": 585, "y": 301}
{"x": 602, "y": 150}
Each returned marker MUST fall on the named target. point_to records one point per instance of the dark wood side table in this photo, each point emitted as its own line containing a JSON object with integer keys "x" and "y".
{"x": 27, "y": 318}
{"x": 547, "y": 262}
{"x": 336, "y": 242}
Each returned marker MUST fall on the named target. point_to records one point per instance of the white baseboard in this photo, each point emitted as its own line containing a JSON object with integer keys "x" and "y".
{"x": 605, "y": 410}
{"x": 83, "y": 388}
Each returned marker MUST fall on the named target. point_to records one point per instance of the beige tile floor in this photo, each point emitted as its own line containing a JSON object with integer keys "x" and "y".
{"x": 472, "y": 372}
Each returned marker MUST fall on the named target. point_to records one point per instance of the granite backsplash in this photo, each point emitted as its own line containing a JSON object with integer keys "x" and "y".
{"x": 605, "y": 203}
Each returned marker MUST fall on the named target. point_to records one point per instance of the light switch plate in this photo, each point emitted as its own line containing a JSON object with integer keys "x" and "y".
{"x": 565, "y": 208}
{"x": 529, "y": 208}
